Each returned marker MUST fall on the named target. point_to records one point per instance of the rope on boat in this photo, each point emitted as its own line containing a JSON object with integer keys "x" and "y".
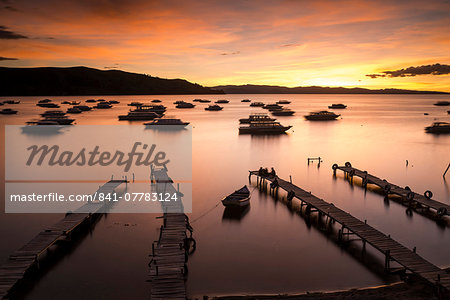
{"x": 205, "y": 213}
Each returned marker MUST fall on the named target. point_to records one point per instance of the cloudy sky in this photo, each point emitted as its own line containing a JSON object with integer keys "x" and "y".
{"x": 399, "y": 44}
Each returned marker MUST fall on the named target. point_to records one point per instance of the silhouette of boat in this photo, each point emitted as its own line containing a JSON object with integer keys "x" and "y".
{"x": 83, "y": 107}
{"x": 167, "y": 121}
{"x": 141, "y": 113}
{"x": 438, "y": 127}
{"x": 256, "y": 118}
{"x": 91, "y": 101}
{"x": 246, "y": 100}
{"x": 442, "y": 103}
{"x": 114, "y": 101}
{"x": 222, "y": 101}
{"x": 60, "y": 120}
{"x": 284, "y": 102}
{"x": 183, "y": 104}
{"x": 45, "y": 101}
{"x": 74, "y": 110}
{"x": 266, "y": 127}
{"x": 8, "y": 111}
{"x": 10, "y": 102}
{"x": 214, "y": 107}
{"x": 337, "y": 106}
{"x": 283, "y": 112}
{"x": 238, "y": 198}
{"x": 156, "y": 101}
{"x": 48, "y": 105}
{"x": 71, "y": 102}
{"x": 271, "y": 107}
{"x": 52, "y": 113}
{"x": 321, "y": 116}
{"x": 103, "y": 105}
{"x": 257, "y": 104}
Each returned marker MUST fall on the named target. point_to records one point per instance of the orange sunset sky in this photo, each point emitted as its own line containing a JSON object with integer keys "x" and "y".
{"x": 291, "y": 43}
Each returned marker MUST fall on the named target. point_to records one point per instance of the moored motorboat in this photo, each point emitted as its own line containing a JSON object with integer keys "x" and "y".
{"x": 269, "y": 127}
{"x": 83, "y": 107}
{"x": 52, "y": 113}
{"x": 283, "y": 112}
{"x": 321, "y": 116}
{"x": 238, "y": 198}
{"x": 71, "y": 102}
{"x": 222, "y": 101}
{"x": 442, "y": 103}
{"x": 114, "y": 101}
{"x": 48, "y": 105}
{"x": 141, "y": 113}
{"x": 103, "y": 105}
{"x": 61, "y": 120}
{"x": 183, "y": 104}
{"x": 271, "y": 107}
{"x": 156, "y": 101}
{"x": 257, "y": 104}
{"x": 11, "y": 102}
{"x": 246, "y": 100}
{"x": 283, "y": 102}
{"x": 8, "y": 111}
{"x": 438, "y": 127}
{"x": 256, "y": 118}
{"x": 337, "y": 106}
{"x": 167, "y": 122}
{"x": 74, "y": 110}
{"x": 214, "y": 107}
{"x": 90, "y": 101}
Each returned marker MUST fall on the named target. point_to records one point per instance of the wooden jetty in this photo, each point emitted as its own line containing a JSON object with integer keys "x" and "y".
{"x": 409, "y": 197}
{"x": 168, "y": 267}
{"x": 391, "y": 249}
{"x": 27, "y": 258}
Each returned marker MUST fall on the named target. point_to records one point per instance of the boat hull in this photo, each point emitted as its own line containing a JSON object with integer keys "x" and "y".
{"x": 280, "y": 130}
{"x": 236, "y": 203}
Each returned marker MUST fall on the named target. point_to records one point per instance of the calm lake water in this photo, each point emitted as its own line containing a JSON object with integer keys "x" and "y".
{"x": 267, "y": 249}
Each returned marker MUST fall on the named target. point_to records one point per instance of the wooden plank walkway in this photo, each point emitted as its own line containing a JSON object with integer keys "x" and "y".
{"x": 392, "y": 250}
{"x": 170, "y": 253}
{"x": 27, "y": 257}
{"x": 390, "y": 188}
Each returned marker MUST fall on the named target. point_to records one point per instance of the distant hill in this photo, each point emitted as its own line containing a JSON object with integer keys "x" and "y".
{"x": 270, "y": 89}
{"x": 88, "y": 81}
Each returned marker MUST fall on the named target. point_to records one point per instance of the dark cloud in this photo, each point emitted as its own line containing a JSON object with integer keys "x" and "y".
{"x": 230, "y": 53}
{"x": 7, "y": 58}
{"x": 9, "y": 35}
{"x": 436, "y": 69}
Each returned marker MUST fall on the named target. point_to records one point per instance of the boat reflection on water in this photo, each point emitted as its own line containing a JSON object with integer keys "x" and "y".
{"x": 44, "y": 130}
{"x": 235, "y": 213}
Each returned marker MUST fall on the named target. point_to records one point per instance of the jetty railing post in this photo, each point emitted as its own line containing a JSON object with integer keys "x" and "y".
{"x": 387, "y": 259}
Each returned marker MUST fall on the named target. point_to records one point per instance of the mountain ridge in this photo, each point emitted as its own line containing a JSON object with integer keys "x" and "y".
{"x": 78, "y": 81}
{"x": 274, "y": 89}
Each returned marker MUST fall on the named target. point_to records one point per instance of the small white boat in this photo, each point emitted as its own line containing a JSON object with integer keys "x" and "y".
{"x": 240, "y": 198}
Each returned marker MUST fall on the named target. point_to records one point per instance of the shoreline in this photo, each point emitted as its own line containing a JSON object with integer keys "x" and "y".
{"x": 399, "y": 290}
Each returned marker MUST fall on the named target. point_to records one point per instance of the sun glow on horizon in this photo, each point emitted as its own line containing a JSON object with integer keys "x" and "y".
{"x": 291, "y": 43}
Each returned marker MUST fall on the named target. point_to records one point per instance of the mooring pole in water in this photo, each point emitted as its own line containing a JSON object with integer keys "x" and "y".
{"x": 446, "y": 170}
